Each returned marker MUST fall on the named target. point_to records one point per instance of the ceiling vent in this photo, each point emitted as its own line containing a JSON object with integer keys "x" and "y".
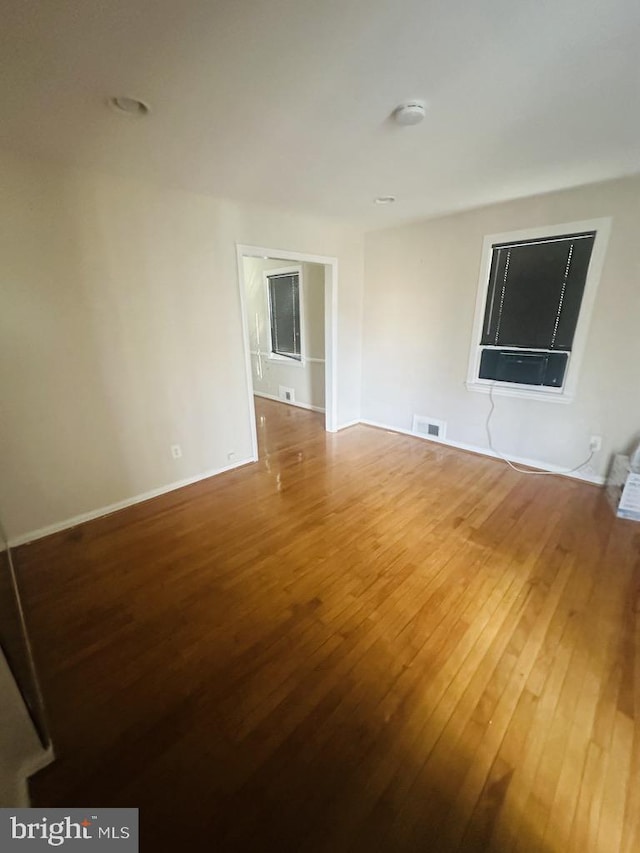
{"x": 427, "y": 427}
{"x": 129, "y": 106}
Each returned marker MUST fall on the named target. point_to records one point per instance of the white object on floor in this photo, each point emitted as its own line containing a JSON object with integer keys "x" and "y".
{"x": 623, "y": 489}
{"x": 21, "y": 753}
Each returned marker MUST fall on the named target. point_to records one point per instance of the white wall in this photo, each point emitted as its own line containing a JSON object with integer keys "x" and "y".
{"x": 420, "y": 292}
{"x": 306, "y": 377}
{"x": 121, "y": 334}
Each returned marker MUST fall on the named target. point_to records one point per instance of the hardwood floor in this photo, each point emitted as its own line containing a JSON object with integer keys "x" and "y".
{"x": 363, "y": 642}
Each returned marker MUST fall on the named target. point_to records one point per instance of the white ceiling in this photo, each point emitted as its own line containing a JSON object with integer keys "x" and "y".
{"x": 288, "y": 101}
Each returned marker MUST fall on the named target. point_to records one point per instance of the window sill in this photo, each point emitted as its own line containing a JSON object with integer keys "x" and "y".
{"x": 513, "y": 390}
{"x": 282, "y": 359}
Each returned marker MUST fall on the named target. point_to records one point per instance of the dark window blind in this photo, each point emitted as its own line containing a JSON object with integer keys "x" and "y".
{"x": 535, "y": 292}
{"x": 284, "y": 308}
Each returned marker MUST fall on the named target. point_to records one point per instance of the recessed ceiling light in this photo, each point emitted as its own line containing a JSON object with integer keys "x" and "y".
{"x": 130, "y": 106}
{"x": 384, "y": 199}
{"x": 411, "y": 112}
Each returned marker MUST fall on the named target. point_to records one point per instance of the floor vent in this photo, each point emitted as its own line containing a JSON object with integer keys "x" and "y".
{"x": 286, "y": 394}
{"x": 427, "y": 427}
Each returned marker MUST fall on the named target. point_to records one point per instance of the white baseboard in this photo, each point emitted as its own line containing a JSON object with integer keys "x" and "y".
{"x": 136, "y": 499}
{"x": 595, "y": 479}
{"x": 25, "y": 538}
{"x": 288, "y": 402}
{"x": 349, "y": 424}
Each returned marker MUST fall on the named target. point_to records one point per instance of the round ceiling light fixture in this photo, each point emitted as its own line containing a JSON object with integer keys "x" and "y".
{"x": 130, "y": 106}
{"x": 409, "y": 113}
{"x": 384, "y": 199}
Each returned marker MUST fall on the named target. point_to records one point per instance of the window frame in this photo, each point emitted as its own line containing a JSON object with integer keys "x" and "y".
{"x": 274, "y": 356}
{"x": 565, "y": 394}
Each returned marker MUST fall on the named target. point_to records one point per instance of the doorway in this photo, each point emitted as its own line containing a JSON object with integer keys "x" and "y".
{"x": 288, "y": 302}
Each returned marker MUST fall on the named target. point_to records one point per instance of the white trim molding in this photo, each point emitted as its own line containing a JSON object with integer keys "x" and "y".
{"x": 513, "y": 389}
{"x": 330, "y": 324}
{"x": 566, "y": 394}
{"x": 295, "y": 403}
{"x": 309, "y": 359}
{"x": 114, "y": 507}
{"x": 68, "y": 523}
{"x": 594, "y": 479}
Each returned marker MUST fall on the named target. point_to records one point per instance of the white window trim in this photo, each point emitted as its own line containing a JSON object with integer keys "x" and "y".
{"x": 273, "y": 356}
{"x": 567, "y": 393}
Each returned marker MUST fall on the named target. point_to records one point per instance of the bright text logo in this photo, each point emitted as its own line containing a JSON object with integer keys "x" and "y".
{"x": 41, "y": 829}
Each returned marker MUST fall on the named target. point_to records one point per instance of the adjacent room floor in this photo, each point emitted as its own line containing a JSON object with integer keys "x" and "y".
{"x": 365, "y": 641}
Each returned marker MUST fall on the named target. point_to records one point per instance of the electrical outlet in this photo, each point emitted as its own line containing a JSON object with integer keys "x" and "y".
{"x": 595, "y": 443}
{"x": 176, "y": 451}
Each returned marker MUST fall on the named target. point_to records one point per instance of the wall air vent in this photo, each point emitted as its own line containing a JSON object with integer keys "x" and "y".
{"x": 286, "y": 394}
{"x": 427, "y": 427}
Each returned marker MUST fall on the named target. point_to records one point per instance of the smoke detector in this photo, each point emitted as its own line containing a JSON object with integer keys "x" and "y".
{"x": 412, "y": 112}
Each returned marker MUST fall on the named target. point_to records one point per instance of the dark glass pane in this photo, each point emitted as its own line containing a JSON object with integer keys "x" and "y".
{"x": 535, "y": 292}
{"x": 574, "y": 291}
{"x": 284, "y": 302}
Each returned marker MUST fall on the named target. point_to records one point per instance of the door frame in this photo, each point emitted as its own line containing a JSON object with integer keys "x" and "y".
{"x": 330, "y": 265}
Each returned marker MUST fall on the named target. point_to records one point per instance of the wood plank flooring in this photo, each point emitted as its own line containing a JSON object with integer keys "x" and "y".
{"x": 364, "y": 642}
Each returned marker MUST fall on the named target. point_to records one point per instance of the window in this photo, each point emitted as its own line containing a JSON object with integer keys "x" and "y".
{"x": 534, "y": 298}
{"x": 284, "y": 314}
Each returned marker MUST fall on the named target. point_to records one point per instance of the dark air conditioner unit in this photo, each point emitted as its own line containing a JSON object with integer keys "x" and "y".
{"x": 525, "y": 367}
